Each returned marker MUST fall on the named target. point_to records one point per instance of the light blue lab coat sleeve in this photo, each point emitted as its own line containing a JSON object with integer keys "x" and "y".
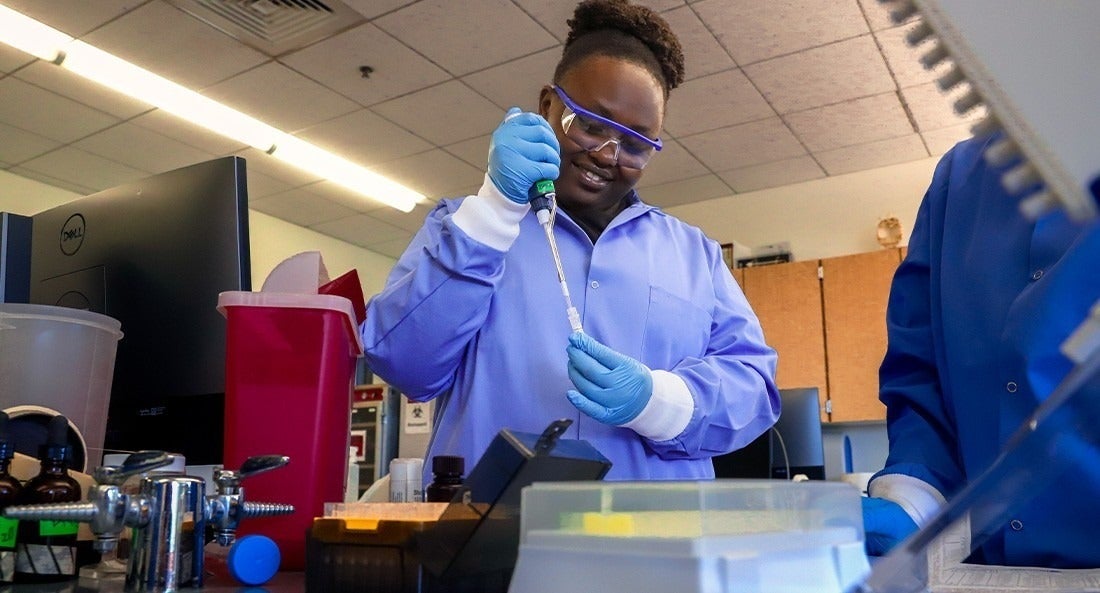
{"x": 444, "y": 279}
{"x": 733, "y": 383}
{"x": 921, "y": 431}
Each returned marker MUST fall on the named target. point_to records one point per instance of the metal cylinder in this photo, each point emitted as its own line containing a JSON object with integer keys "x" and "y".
{"x": 164, "y": 556}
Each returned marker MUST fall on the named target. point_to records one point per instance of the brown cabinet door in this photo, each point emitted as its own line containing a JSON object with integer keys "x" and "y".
{"x": 855, "y": 289}
{"x": 787, "y": 299}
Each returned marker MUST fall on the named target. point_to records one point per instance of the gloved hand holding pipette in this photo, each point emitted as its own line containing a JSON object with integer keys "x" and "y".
{"x": 615, "y": 389}
{"x": 522, "y": 152}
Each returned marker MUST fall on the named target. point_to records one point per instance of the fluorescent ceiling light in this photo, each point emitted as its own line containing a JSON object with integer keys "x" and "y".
{"x": 47, "y": 43}
{"x": 304, "y": 155}
{"x": 28, "y": 35}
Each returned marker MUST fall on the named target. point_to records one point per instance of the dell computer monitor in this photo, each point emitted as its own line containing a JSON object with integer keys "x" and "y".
{"x": 154, "y": 254}
{"x": 792, "y": 447}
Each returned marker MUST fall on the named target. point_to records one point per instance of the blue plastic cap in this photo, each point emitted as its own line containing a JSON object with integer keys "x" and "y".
{"x": 253, "y": 559}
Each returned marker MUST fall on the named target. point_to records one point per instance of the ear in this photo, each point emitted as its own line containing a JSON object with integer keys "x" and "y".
{"x": 546, "y": 96}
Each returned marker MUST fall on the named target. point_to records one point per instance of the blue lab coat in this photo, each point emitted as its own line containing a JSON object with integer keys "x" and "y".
{"x": 981, "y": 291}
{"x": 483, "y": 332}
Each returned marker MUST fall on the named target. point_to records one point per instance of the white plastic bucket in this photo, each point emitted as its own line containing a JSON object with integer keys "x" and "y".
{"x": 60, "y": 359}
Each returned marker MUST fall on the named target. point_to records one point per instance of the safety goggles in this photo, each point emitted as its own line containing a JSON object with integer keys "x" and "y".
{"x": 593, "y": 133}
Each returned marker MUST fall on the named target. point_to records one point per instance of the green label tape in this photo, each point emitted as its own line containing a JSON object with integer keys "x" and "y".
{"x": 46, "y": 528}
{"x": 8, "y": 529}
{"x": 545, "y": 186}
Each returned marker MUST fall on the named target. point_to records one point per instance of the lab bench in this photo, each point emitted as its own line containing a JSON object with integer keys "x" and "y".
{"x": 283, "y": 582}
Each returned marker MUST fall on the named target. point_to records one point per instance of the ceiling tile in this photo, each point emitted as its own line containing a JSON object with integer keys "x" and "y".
{"x": 84, "y": 168}
{"x": 55, "y": 182}
{"x": 300, "y": 207}
{"x": 435, "y": 173}
{"x": 75, "y": 17}
{"x": 360, "y": 229}
{"x": 454, "y": 34}
{"x": 12, "y": 59}
{"x": 517, "y": 83}
{"x": 904, "y": 60}
{"x": 19, "y": 145}
{"x": 941, "y": 140}
{"x": 373, "y": 8}
{"x": 443, "y": 114}
{"x": 822, "y": 76}
{"x": 353, "y": 200}
{"x": 166, "y": 124}
{"x": 774, "y": 174}
{"x": 393, "y": 248}
{"x": 707, "y": 55}
{"x": 365, "y": 138}
{"x": 878, "y": 14}
{"x": 273, "y": 167}
{"x": 335, "y": 63}
{"x": 744, "y": 145}
{"x": 281, "y": 97}
{"x": 714, "y": 101}
{"x": 932, "y": 109}
{"x": 551, "y": 15}
{"x": 260, "y": 185}
{"x": 78, "y": 88}
{"x": 661, "y": 5}
{"x": 142, "y": 149}
{"x": 409, "y": 221}
{"x": 874, "y": 154}
{"x": 175, "y": 45}
{"x": 26, "y": 106}
{"x": 752, "y": 30}
{"x": 672, "y": 163}
{"x": 685, "y": 191}
{"x": 853, "y": 122}
{"x": 474, "y": 151}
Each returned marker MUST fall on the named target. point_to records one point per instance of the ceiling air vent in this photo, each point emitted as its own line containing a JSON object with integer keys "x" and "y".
{"x": 274, "y": 27}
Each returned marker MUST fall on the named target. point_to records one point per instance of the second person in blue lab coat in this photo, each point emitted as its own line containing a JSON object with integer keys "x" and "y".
{"x": 976, "y": 313}
{"x": 671, "y": 369}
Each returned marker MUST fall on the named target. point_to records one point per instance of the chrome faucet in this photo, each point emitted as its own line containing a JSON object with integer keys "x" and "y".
{"x": 165, "y": 555}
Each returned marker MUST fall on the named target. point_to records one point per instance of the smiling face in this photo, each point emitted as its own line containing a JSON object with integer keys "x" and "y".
{"x": 591, "y": 185}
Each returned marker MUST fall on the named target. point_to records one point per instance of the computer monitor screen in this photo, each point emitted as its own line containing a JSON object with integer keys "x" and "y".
{"x": 154, "y": 254}
{"x": 792, "y": 447}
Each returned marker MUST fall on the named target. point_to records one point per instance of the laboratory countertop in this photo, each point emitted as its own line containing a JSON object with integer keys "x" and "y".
{"x": 283, "y": 582}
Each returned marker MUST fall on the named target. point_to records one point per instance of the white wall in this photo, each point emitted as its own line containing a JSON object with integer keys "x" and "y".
{"x": 270, "y": 240}
{"x": 821, "y": 218}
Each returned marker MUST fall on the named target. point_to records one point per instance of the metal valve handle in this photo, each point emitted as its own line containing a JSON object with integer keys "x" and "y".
{"x": 136, "y": 463}
{"x": 227, "y": 481}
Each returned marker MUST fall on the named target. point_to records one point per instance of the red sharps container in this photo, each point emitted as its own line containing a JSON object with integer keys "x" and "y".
{"x": 290, "y": 368}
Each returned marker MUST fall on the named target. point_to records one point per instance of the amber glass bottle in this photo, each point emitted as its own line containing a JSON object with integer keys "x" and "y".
{"x": 46, "y": 550}
{"x": 446, "y": 478}
{"x": 9, "y": 495}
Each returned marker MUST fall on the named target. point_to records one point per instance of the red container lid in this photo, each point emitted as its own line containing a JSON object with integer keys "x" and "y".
{"x": 291, "y": 300}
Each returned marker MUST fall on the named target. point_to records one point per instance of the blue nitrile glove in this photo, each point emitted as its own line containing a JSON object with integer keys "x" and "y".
{"x": 611, "y": 387}
{"x": 523, "y": 150}
{"x": 885, "y": 525}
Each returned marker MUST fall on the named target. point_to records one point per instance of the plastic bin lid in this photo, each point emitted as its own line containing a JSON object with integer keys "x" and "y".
{"x": 61, "y": 314}
{"x": 292, "y": 300}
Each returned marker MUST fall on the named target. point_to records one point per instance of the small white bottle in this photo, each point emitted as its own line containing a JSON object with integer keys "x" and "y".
{"x": 406, "y": 480}
{"x": 351, "y": 489}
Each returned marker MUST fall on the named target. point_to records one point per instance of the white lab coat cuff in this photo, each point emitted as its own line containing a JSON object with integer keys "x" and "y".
{"x": 919, "y": 499}
{"x": 489, "y": 217}
{"x": 668, "y": 410}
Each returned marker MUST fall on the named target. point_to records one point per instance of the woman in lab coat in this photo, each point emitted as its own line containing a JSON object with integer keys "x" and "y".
{"x": 976, "y": 314}
{"x": 671, "y": 368}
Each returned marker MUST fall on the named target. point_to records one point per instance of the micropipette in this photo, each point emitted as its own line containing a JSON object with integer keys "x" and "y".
{"x": 544, "y": 203}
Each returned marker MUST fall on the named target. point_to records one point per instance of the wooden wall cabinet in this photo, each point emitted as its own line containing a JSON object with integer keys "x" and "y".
{"x": 827, "y": 320}
{"x": 787, "y": 299}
